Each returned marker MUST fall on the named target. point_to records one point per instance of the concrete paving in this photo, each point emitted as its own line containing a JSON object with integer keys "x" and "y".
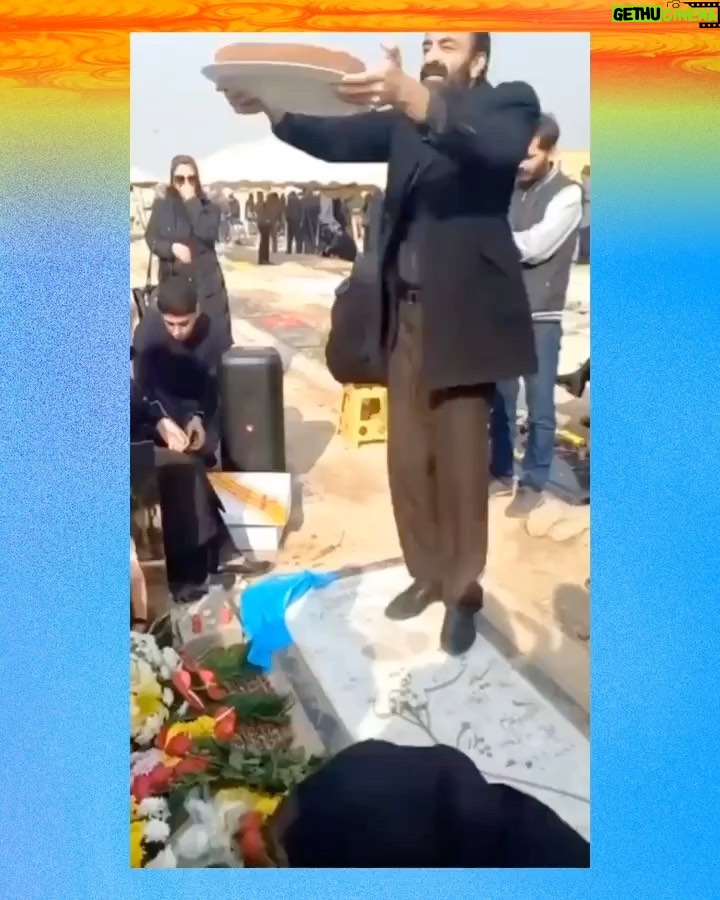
{"x": 341, "y": 513}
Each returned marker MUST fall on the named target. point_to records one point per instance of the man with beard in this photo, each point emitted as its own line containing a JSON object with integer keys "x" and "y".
{"x": 545, "y": 214}
{"x": 455, "y": 317}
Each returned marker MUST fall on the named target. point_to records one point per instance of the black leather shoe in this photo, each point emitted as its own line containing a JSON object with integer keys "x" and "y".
{"x": 458, "y": 630}
{"x": 251, "y": 568}
{"x": 412, "y": 601}
{"x": 575, "y": 382}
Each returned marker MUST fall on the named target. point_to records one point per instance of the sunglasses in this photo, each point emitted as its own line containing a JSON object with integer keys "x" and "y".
{"x": 181, "y": 179}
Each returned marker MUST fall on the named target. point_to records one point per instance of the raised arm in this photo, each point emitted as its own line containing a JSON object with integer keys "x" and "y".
{"x": 492, "y": 126}
{"x": 475, "y": 124}
{"x": 363, "y": 138}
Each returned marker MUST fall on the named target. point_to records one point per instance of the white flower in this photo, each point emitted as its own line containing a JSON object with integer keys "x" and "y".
{"x": 193, "y": 843}
{"x": 183, "y": 708}
{"x": 150, "y": 728}
{"x": 164, "y": 860}
{"x": 156, "y": 831}
{"x": 171, "y": 659}
{"x": 153, "y": 808}
{"x": 168, "y": 697}
{"x": 145, "y": 761}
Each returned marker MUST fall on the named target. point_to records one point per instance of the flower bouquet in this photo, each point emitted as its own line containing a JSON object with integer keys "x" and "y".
{"x": 211, "y": 742}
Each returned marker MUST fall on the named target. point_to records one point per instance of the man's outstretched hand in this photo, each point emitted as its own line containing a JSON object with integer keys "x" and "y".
{"x": 387, "y": 85}
{"x": 243, "y": 104}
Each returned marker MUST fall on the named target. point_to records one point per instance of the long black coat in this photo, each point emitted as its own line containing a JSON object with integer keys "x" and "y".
{"x": 461, "y": 168}
{"x": 197, "y": 225}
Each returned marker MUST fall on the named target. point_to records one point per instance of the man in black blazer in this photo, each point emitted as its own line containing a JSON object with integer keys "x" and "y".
{"x": 455, "y": 315}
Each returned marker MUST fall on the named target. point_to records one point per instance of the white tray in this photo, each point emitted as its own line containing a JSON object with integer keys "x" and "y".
{"x": 289, "y": 87}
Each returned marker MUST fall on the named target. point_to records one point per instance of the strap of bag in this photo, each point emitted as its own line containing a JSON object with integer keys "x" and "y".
{"x": 148, "y": 276}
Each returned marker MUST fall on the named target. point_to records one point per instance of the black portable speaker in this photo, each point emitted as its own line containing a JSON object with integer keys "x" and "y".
{"x": 252, "y": 429}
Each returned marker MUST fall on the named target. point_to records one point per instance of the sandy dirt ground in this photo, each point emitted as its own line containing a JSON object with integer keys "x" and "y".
{"x": 341, "y": 513}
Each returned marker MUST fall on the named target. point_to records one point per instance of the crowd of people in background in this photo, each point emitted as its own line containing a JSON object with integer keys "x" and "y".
{"x": 306, "y": 221}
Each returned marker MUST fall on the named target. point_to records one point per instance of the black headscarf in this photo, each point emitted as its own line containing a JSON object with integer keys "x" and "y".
{"x": 378, "y": 805}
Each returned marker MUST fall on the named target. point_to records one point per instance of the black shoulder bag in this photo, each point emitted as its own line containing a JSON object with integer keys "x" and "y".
{"x": 145, "y": 297}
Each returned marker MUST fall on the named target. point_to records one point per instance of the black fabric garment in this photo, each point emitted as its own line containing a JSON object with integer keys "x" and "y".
{"x": 182, "y": 375}
{"x": 197, "y": 225}
{"x": 353, "y": 353}
{"x": 264, "y": 244}
{"x": 195, "y": 537}
{"x": 459, "y": 171}
{"x": 378, "y": 805}
{"x": 144, "y": 414}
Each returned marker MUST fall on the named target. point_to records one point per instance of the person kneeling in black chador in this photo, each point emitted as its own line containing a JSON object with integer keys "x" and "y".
{"x": 378, "y": 805}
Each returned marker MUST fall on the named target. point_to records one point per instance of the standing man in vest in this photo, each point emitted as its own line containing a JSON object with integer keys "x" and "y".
{"x": 455, "y": 317}
{"x": 545, "y": 214}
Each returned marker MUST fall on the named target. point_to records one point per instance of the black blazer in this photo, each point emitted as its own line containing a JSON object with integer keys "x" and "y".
{"x": 195, "y": 224}
{"x": 461, "y": 167}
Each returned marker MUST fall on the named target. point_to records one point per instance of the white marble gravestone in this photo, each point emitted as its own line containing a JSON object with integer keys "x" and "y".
{"x": 360, "y": 676}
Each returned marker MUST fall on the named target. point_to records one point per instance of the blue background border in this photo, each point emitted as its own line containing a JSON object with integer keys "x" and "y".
{"x": 64, "y": 540}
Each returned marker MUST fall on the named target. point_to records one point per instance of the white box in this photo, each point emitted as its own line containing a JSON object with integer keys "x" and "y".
{"x": 257, "y": 507}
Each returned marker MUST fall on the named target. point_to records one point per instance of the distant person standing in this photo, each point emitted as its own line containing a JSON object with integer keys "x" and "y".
{"x": 275, "y": 216}
{"x": 182, "y": 231}
{"x": 262, "y": 214}
{"x": 545, "y": 214}
{"x": 234, "y": 209}
{"x": 293, "y": 223}
{"x": 311, "y": 220}
{"x": 250, "y": 218}
{"x": 584, "y": 238}
{"x": 355, "y": 207}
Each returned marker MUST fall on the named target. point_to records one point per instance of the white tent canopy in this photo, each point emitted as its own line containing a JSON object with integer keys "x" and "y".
{"x": 139, "y": 176}
{"x": 270, "y": 161}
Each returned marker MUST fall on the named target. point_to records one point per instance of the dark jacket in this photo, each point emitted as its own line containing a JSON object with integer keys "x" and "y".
{"x": 195, "y": 224}
{"x": 144, "y": 414}
{"x": 460, "y": 168}
{"x": 181, "y": 377}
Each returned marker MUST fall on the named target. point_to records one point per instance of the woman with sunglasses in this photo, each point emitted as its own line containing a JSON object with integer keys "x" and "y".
{"x": 183, "y": 229}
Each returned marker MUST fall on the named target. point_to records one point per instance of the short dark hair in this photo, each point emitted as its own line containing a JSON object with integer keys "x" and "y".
{"x": 548, "y": 132}
{"x": 177, "y": 297}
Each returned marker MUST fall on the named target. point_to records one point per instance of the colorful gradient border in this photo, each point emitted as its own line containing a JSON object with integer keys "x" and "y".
{"x": 64, "y": 461}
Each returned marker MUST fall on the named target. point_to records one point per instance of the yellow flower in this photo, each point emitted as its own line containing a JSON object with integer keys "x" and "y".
{"x": 202, "y": 727}
{"x": 145, "y": 697}
{"x": 136, "y": 850}
{"x": 197, "y": 728}
{"x": 265, "y": 804}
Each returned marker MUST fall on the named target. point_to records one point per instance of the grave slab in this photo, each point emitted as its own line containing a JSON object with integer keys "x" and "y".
{"x": 360, "y": 676}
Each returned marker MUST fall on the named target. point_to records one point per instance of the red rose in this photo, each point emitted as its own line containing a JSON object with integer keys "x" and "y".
{"x": 191, "y": 765}
{"x": 182, "y": 682}
{"x": 142, "y": 787}
{"x": 179, "y": 745}
{"x": 225, "y": 724}
{"x": 161, "y": 737}
{"x": 160, "y": 779}
{"x": 212, "y": 688}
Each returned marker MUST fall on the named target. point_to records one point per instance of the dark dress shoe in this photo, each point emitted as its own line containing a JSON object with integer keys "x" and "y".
{"x": 458, "y": 630}
{"x": 251, "y": 568}
{"x": 412, "y": 601}
{"x": 189, "y": 592}
{"x": 575, "y": 382}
